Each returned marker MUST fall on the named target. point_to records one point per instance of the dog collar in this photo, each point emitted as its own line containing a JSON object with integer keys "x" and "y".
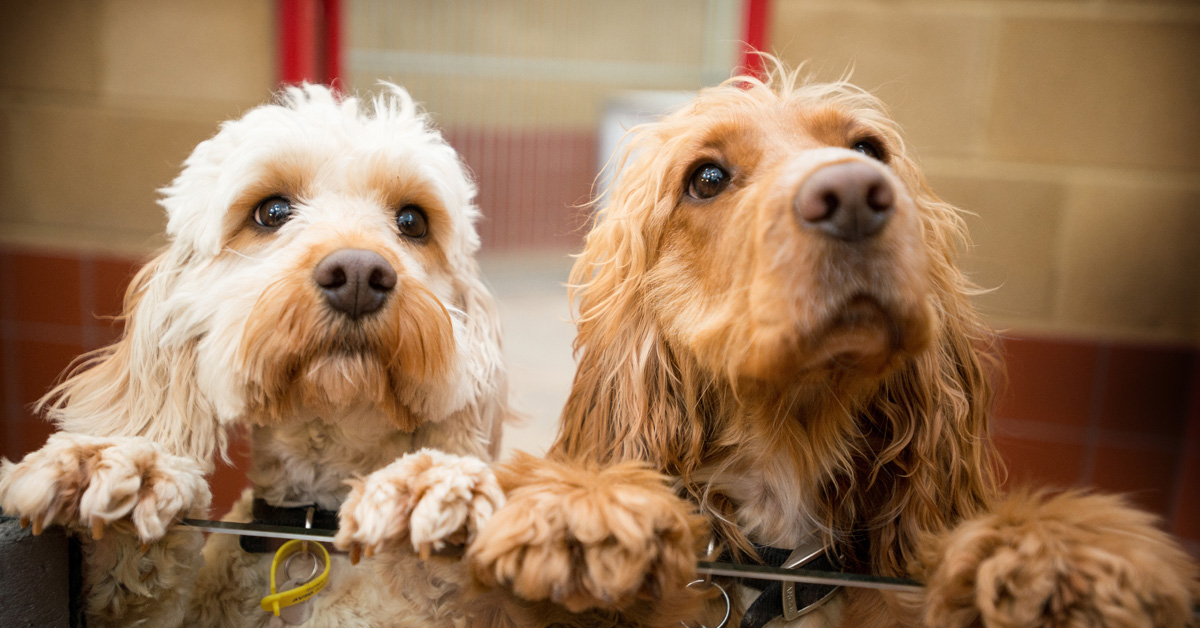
{"x": 789, "y": 600}
{"x": 290, "y": 516}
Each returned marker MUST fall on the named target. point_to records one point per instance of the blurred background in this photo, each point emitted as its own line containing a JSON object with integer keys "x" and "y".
{"x": 1069, "y": 128}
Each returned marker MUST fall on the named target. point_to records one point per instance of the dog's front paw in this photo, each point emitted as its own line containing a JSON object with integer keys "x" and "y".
{"x": 92, "y": 483}
{"x": 428, "y": 497}
{"x": 1069, "y": 560}
{"x": 586, "y": 538}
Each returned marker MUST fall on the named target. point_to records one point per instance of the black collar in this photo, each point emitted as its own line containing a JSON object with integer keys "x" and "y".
{"x": 788, "y": 599}
{"x": 293, "y": 516}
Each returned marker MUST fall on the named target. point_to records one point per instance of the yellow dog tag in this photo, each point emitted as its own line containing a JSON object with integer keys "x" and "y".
{"x": 281, "y": 599}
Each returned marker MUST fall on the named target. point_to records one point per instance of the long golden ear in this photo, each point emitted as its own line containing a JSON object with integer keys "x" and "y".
{"x": 142, "y": 385}
{"x": 934, "y": 461}
{"x": 632, "y": 398}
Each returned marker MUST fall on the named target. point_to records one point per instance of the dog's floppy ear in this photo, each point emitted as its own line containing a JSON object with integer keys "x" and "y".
{"x": 486, "y": 409}
{"x": 934, "y": 463}
{"x": 632, "y": 398}
{"x": 145, "y": 383}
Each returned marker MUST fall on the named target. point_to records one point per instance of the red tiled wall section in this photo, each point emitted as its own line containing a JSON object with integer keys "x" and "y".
{"x": 1115, "y": 416}
{"x": 531, "y": 184}
{"x": 53, "y": 308}
{"x": 1119, "y": 417}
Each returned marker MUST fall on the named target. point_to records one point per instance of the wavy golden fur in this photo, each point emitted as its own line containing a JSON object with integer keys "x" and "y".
{"x": 794, "y": 382}
{"x": 906, "y": 450}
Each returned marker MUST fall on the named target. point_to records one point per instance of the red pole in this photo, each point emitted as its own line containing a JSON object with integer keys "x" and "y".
{"x": 757, "y": 17}
{"x": 310, "y": 41}
{"x": 333, "y": 42}
{"x": 296, "y": 41}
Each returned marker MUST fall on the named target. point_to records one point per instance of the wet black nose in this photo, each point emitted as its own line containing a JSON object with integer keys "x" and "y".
{"x": 849, "y": 201}
{"x": 355, "y": 282}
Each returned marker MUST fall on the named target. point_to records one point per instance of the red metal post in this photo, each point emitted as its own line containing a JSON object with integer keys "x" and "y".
{"x": 756, "y": 22}
{"x": 333, "y": 42}
{"x": 310, "y": 41}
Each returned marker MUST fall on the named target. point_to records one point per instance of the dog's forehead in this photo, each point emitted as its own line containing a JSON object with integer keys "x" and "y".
{"x": 779, "y": 122}
{"x": 315, "y": 145}
{"x": 336, "y": 133}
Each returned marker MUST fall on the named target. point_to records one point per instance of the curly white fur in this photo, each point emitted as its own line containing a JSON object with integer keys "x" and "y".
{"x": 429, "y": 496}
{"x": 226, "y": 327}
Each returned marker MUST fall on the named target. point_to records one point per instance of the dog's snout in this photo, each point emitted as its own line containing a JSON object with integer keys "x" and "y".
{"x": 849, "y": 201}
{"x": 355, "y": 282}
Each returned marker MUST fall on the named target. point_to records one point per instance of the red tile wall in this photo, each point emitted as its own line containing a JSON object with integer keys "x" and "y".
{"x": 531, "y": 184}
{"x": 55, "y": 306}
{"x": 1119, "y": 417}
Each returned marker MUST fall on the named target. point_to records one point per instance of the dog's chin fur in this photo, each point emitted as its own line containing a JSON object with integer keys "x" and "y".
{"x": 227, "y": 328}
{"x": 860, "y": 339}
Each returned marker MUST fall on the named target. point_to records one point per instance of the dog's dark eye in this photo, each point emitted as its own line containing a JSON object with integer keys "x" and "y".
{"x": 412, "y": 222}
{"x": 273, "y": 212}
{"x": 869, "y": 148}
{"x": 707, "y": 181}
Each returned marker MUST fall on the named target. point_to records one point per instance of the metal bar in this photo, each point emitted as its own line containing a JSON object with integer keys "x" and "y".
{"x": 332, "y": 43}
{"x": 260, "y": 529}
{"x": 759, "y": 572}
{"x": 717, "y": 569}
{"x": 834, "y": 578}
{"x": 297, "y": 40}
{"x": 757, "y": 23}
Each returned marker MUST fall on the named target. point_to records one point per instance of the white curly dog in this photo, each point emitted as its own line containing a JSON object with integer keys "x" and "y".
{"x": 320, "y": 290}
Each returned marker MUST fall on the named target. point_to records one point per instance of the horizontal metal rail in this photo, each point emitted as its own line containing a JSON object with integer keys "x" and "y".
{"x": 834, "y": 578}
{"x": 759, "y": 572}
{"x": 732, "y": 570}
{"x": 261, "y": 529}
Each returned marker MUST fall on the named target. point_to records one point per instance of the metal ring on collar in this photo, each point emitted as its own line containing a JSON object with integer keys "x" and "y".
{"x": 724, "y": 594}
{"x": 316, "y": 564}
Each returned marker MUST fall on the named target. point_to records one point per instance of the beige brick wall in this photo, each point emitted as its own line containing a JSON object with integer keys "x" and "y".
{"x": 101, "y": 100}
{"x": 1069, "y": 127}
{"x": 537, "y": 64}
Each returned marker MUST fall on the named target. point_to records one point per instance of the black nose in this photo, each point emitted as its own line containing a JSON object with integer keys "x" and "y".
{"x": 355, "y": 282}
{"x": 849, "y": 201}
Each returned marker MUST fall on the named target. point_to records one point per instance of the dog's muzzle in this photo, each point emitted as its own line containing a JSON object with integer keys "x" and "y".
{"x": 355, "y": 282}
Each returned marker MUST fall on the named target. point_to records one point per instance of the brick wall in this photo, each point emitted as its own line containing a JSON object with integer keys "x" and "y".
{"x": 1068, "y": 127}
{"x": 100, "y": 101}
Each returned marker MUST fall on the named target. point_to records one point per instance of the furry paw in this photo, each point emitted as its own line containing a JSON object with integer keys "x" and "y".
{"x": 430, "y": 497}
{"x": 586, "y": 538}
{"x": 91, "y": 483}
{"x": 1068, "y": 560}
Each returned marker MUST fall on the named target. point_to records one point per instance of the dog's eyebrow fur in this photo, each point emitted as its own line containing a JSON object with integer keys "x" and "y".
{"x": 289, "y": 175}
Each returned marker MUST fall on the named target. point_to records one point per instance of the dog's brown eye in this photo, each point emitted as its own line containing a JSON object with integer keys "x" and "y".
{"x": 707, "y": 181}
{"x": 273, "y": 212}
{"x": 412, "y": 222}
{"x": 868, "y": 148}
